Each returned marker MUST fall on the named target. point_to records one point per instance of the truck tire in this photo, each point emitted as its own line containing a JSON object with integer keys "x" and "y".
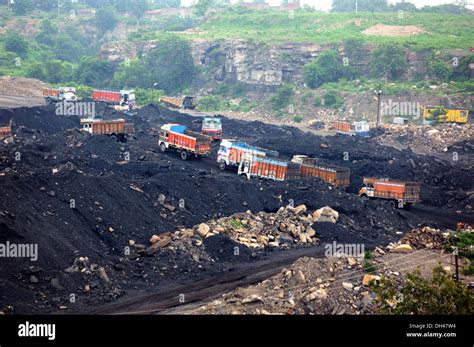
{"x": 184, "y": 155}
{"x": 222, "y": 165}
{"x": 162, "y": 147}
{"x": 48, "y": 101}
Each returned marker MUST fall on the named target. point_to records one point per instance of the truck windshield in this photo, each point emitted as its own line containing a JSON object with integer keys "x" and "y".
{"x": 212, "y": 125}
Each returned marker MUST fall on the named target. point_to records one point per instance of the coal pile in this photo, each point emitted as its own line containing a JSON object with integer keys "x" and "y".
{"x": 77, "y": 195}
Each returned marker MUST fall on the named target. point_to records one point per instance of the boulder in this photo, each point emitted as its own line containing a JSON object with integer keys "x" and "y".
{"x": 203, "y": 229}
{"x": 326, "y": 214}
{"x": 369, "y": 278}
{"x": 405, "y": 248}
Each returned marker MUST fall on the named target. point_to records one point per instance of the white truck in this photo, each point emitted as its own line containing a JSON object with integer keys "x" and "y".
{"x": 60, "y": 94}
{"x": 231, "y": 153}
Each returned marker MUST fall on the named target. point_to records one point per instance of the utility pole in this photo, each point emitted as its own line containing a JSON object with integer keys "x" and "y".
{"x": 456, "y": 263}
{"x": 379, "y": 104}
{"x": 357, "y": 6}
{"x": 153, "y": 91}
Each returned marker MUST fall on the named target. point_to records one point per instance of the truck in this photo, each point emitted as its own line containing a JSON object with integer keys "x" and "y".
{"x": 51, "y": 95}
{"x": 118, "y": 99}
{"x": 231, "y": 152}
{"x": 401, "y": 194}
{"x": 117, "y": 127}
{"x": 183, "y": 103}
{"x": 212, "y": 127}
{"x": 355, "y": 129}
{"x": 186, "y": 142}
{"x": 262, "y": 167}
{"x": 439, "y": 114}
{"x": 337, "y": 176}
{"x": 6, "y": 131}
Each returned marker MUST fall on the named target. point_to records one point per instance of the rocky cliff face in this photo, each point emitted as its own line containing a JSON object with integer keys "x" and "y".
{"x": 256, "y": 65}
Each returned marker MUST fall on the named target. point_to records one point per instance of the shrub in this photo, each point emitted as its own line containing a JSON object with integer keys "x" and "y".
{"x": 439, "y": 295}
{"x": 389, "y": 60}
{"x": 332, "y": 99}
{"x": 298, "y": 119}
{"x": 328, "y": 67}
{"x": 282, "y": 98}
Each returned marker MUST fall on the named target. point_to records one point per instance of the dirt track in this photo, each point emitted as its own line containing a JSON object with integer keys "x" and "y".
{"x": 9, "y": 101}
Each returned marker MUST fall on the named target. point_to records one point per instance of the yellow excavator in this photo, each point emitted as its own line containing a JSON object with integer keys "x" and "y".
{"x": 440, "y": 114}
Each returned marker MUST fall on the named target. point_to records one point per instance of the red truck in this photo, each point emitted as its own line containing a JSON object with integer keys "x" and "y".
{"x": 107, "y": 127}
{"x": 403, "y": 194}
{"x": 337, "y": 176}
{"x": 120, "y": 98}
{"x": 269, "y": 168}
{"x": 6, "y": 131}
{"x": 212, "y": 126}
{"x": 355, "y": 129}
{"x": 186, "y": 142}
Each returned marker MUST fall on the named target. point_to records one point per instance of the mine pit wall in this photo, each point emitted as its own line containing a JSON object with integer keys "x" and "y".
{"x": 260, "y": 66}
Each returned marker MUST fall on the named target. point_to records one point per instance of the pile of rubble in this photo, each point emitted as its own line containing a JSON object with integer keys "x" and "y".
{"x": 335, "y": 284}
{"x": 309, "y": 286}
{"x": 287, "y": 227}
{"x": 425, "y": 238}
{"x": 443, "y": 138}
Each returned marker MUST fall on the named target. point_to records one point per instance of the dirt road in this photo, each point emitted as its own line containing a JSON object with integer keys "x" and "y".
{"x": 9, "y": 101}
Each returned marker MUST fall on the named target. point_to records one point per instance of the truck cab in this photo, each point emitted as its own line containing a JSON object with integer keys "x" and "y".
{"x": 244, "y": 166}
{"x": 212, "y": 127}
{"x": 361, "y": 128}
{"x": 367, "y": 191}
{"x": 67, "y": 94}
{"x": 188, "y": 103}
{"x": 86, "y": 124}
{"x": 127, "y": 98}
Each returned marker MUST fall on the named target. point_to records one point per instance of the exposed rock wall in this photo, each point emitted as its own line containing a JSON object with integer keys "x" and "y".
{"x": 257, "y": 65}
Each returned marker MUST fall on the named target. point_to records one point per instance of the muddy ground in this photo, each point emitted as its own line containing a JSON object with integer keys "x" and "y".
{"x": 82, "y": 198}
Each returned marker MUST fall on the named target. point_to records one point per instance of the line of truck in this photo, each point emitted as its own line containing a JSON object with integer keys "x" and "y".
{"x": 122, "y": 100}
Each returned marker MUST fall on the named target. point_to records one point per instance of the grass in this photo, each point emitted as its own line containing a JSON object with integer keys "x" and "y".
{"x": 443, "y": 31}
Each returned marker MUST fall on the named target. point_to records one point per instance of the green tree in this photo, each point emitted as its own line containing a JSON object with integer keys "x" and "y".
{"x": 22, "y": 7}
{"x": 202, "y": 6}
{"x": 463, "y": 70}
{"x": 36, "y": 71}
{"x": 282, "y": 98}
{"x": 353, "y": 48}
{"x": 139, "y": 7}
{"x": 171, "y": 65}
{"x": 47, "y": 32}
{"x": 16, "y": 44}
{"x": 45, "y": 5}
{"x": 105, "y": 20}
{"x": 94, "y": 71}
{"x": 389, "y": 60}
{"x": 332, "y": 99}
{"x": 447, "y": 8}
{"x": 362, "y": 5}
{"x": 439, "y": 69}
{"x": 439, "y": 295}
{"x": 57, "y": 71}
{"x": 328, "y": 67}
{"x": 133, "y": 74}
{"x": 65, "y": 48}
